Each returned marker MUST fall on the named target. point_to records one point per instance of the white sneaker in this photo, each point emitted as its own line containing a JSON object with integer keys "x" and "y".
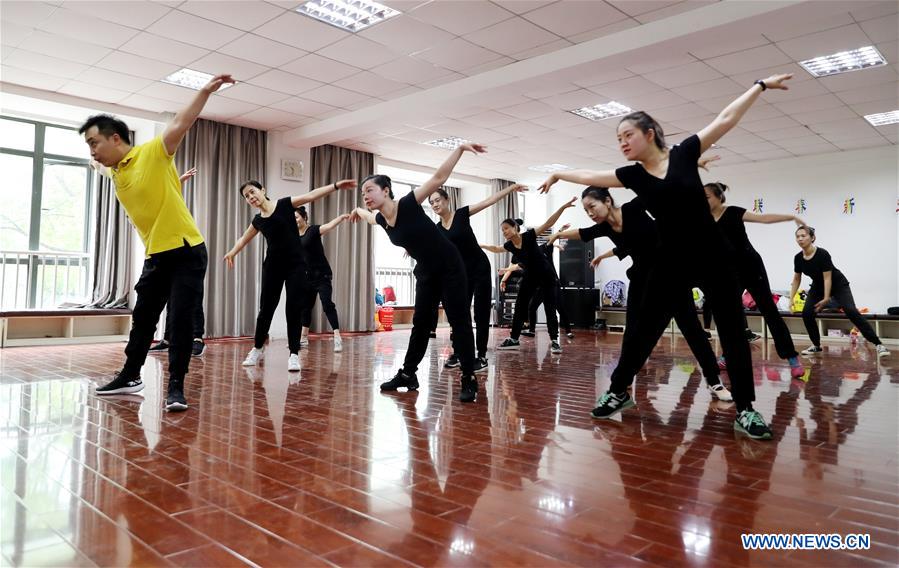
{"x": 812, "y": 350}
{"x": 338, "y": 344}
{"x": 293, "y": 363}
{"x": 253, "y": 357}
{"x": 720, "y": 392}
{"x": 304, "y": 342}
{"x": 882, "y": 350}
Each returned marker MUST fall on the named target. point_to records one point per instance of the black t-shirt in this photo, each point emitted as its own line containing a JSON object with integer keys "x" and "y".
{"x": 816, "y": 266}
{"x": 679, "y": 205}
{"x": 639, "y": 236}
{"x": 280, "y": 231}
{"x": 421, "y": 238}
{"x": 734, "y": 229}
{"x": 547, "y": 250}
{"x": 461, "y": 235}
{"x": 535, "y": 262}
{"x": 314, "y": 252}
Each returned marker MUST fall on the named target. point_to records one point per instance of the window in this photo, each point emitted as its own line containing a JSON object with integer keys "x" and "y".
{"x": 44, "y": 223}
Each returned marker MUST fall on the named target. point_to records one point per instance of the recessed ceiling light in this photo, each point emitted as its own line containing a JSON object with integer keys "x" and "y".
{"x": 844, "y": 61}
{"x": 191, "y": 79}
{"x": 603, "y": 111}
{"x": 549, "y": 168}
{"x": 448, "y": 143}
{"x": 348, "y": 15}
{"x": 883, "y": 118}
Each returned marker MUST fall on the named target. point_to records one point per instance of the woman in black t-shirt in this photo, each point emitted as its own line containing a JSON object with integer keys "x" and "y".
{"x": 439, "y": 272}
{"x": 830, "y": 288}
{"x": 538, "y": 273}
{"x": 634, "y": 234}
{"x": 456, "y": 226}
{"x": 319, "y": 274}
{"x": 669, "y": 183}
{"x": 750, "y": 268}
{"x": 284, "y": 265}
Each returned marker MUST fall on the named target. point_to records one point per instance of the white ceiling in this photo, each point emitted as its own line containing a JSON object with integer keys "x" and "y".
{"x": 315, "y": 82}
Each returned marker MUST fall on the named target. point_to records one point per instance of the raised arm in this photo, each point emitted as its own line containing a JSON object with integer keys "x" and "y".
{"x": 174, "y": 132}
{"x": 360, "y": 214}
{"x": 732, "y": 113}
{"x": 555, "y": 216}
{"x": 570, "y": 234}
{"x": 446, "y": 168}
{"x": 608, "y": 254}
{"x": 495, "y": 198}
{"x": 828, "y": 282}
{"x": 582, "y": 177}
{"x": 243, "y": 241}
{"x": 768, "y": 218}
{"x": 332, "y": 224}
{"x": 511, "y": 269}
{"x": 797, "y": 280}
{"x": 493, "y": 248}
{"x": 319, "y": 192}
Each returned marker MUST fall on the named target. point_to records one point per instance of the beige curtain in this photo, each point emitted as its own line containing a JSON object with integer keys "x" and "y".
{"x": 507, "y": 208}
{"x": 113, "y": 259}
{"x": 225, "y": 156}
{"x": 453, "y": 193}
{"x": 350, "y": 247}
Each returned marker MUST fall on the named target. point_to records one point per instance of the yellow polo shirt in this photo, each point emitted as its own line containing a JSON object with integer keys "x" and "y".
{"x": 147, "y": 186}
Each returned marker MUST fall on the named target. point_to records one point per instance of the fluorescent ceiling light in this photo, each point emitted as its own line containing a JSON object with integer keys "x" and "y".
{"x": 883, "y": 118}
{"x": 603, "y": 111}
{"x": 448, "y": 143}
{"x": 844, "y": 61}
{"x": 549, "y": 168}
{"x": 191, "y": 79}
{"x": 349, "y": 15}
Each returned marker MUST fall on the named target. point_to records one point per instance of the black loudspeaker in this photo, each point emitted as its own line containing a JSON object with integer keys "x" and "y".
{"x": 580, "y": 305}
{"x": 574, "y": 265}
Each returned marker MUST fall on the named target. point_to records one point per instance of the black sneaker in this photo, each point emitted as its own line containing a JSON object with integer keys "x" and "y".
{"x": 175, "y": 401}
{"x": 400, "y": 380}
{"x": 198, "y": 348}
{"x": 469, "y": 391}
{"x": 480, "y": 365}
{"x": 610, "y": 404}
{"x": 528, "y": 333}
{"x": 509, "y": 343}
{"x": 752, "y": 336}
{"x": 554, "y": 347}
{"x": 121, "y": 385}
{"x": 161, "y": 346}
{"x": 751, "y": 423}
{"x": 452, "y": 362}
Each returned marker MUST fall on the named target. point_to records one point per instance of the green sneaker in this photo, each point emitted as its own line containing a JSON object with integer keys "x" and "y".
{"x": 610, "y": 404}
{"x": 751, "y": 423}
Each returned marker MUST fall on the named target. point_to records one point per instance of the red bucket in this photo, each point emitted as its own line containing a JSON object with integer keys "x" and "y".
{"x": 385, "y": 316}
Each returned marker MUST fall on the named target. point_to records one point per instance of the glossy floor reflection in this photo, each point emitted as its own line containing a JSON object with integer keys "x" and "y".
{"x": 319, "y": 468}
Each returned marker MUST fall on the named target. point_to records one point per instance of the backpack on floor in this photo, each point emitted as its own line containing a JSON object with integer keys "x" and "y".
{"x": 799, "y": 301}
{"x": 613, "y": 294}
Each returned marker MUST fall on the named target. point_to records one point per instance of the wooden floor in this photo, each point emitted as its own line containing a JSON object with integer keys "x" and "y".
{"x": 272, "y": 468}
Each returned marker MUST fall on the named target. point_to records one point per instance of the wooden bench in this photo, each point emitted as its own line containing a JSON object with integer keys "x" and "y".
{"x": 57, "y": 327}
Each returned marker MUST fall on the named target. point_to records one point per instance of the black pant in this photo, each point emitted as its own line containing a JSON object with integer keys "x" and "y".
{"x": 526, "y": 291}
{"x": 277, "y": 274}
{"x": 665, "y": 284}
{"x": 320, "y": 284}
{"x": 199, "y": 322}
{"x": 480, "y": 289}
{"x": 842, "y": 296}
{"x": 174, "y": 277}
{"x": 450, "y": 286}
{"x": 684, "y": 313}
{"x": 537, "y": 299}
{"x": 754, "y": 278}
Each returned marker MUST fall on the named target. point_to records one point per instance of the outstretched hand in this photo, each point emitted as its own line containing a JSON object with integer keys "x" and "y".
{"x": 217, "y": 82}
{"x": 777, "y": 81}
{"x": 704, "y": 162}
{"x": 346, "y": 184}
{"x": 570, "y": 204}
{"x": 517, "y": 188}
{"x": 546, "y": 185}
{"x": 229, "y": 260}
{"x": 474, "y": 148}
{"x": 595, "y": 262}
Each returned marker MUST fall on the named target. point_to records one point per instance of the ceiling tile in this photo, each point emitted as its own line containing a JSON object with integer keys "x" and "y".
{"x": 819, "y": 102}
{"x": 711, "y": 89}
{"x": 763, "y": 57}
{"x": 603, "y": 30}
{"x": 654, "y": 101}
{"x": 219, "y": 106}
{"x": 672, "y": 10}
{"x": 861, "y": 143}
{"x": 458, "y": 55}
{"x": 139, "y": 14}
{"x": 193, "y": 30}
{"x": 442, "y": 80}
{"x": 253, "y": 94}
{"x": 93, "y": 91}
{"x": 872, "y": 93}
{"x": 799, "y": 74}
{"x": 115, "y": 79}
{"x": 136, "y": 65}
{"x": 800, "y": 90}
{"x": 760, "y": 126}
{"x": 237, "y": 14}
{"x": 28, "y": 78}
{"x": 522, "y": 6}
{"x": 528, "y": 110}
{"x": 405, "y": 35}
{"x": 218, "y": 63}
{"x": 811, "y": 22}
{"x": 559, "y": 119}
{"x": 284, "y": 82}
{"x": 637, "y": 7}
{"x": 459, "y": 16}
{"x": 334, "y": 96}
{"x": 169, "y": 92}
{"x": 850, "y": 127}
{"x": 368, "y": 83}
{"x": 659, "y": 62}
{"x": 261, "y": 50}
{"x": 688, "y": 110}
{"x": 570, "y": 18}
{"x": 410, "y": 70}
{"x": 574, "y": 99}
{"x": 785, "y": 133}
{"x": 511, "y": 36}
{"x": 300, "y": 31}
{"x": 875, "y": 107}
{"x": 27, "y": 13}
{"x": 269, "y": 117}
{"x": 44, "y": 64}
{"x": 489, "y": 119}
{"x": 144, "y": 102}
{"x": 13, "y": 34}
{"x": 320, "y": 68}
{"x": 870, "y": 10}
{"x": 542, "y": 49}
{"x": 863, "y": 78}
{"x": 725, "y": 41}
{"x": 824, "y": 43}
{"x": 627, "y": 88}
{"x": 501, "y": 61}
{"x": 683, "y": 75}
{"x": 522, "y": 128}
{"x": 64, "y": 48}
{"x": 359, "y": 51}
{"x": 163, "y": 49}
{"x": 828, "y": 115}
{"x": 73, "y": 24}
{"x": 592, "y": 74}
{"x": 769, "y": 155}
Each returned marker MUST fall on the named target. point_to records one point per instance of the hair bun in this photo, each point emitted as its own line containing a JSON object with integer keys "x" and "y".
{"x": 519, "y": 222}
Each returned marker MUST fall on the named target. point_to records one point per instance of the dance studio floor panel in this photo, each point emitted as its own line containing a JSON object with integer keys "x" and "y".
{"x": 272, "y": 468}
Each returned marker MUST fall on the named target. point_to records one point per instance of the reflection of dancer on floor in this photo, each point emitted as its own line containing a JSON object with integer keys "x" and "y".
{"x": 319, "y": 273}
{"x": 830, "y": 289}
{"x": 635, "y": 234}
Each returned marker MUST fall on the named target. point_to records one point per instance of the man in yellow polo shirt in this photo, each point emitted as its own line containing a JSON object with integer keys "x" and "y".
{"x": 147, "y": 186}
